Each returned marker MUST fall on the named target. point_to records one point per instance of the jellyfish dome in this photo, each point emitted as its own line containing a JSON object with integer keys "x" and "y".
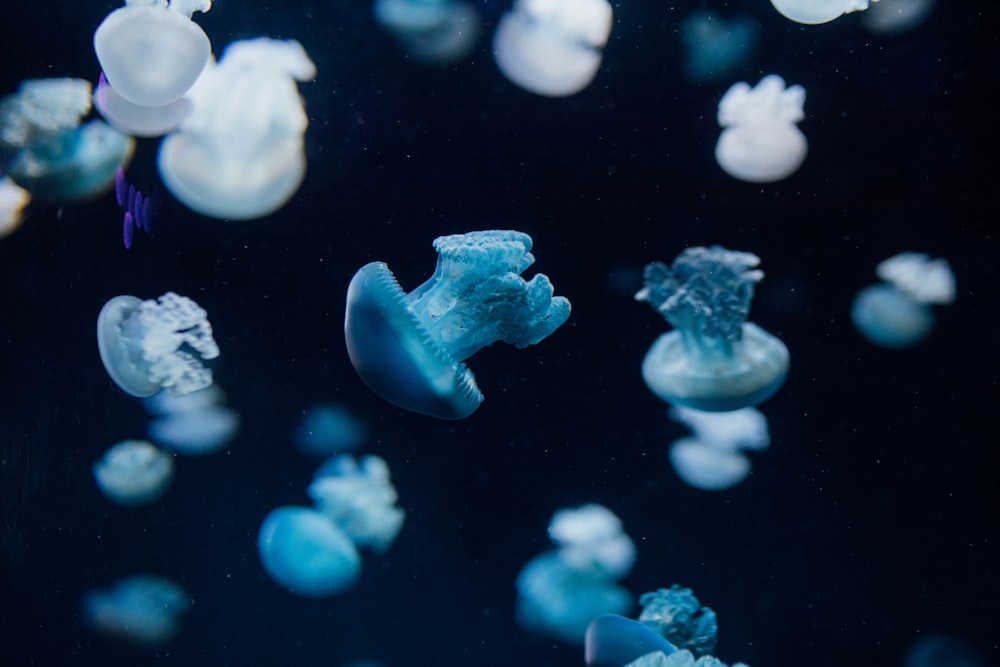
{"x": 713, "y": 460}
{"x": 156, "y": 344}
{"x": 134, "y": 472}
{"x": 715, "y": 45}
{"x": 409, "y": 348}
{"x": 144, "y": 609}
{"x": 193, "y": 424}
{"x": 135, "y": 119}
{"x": 240, "y": 153}
{"x": 817, "y": 11}
{"x": 329, "y": 428}
{"x": 437, "y": 32}
{"x": 894, "y": 17}
{"x": 760, "y": 142}
{"x": 552, "y": 47}
{"x": 714, "y": 360}
{"x": 150, "y": 50}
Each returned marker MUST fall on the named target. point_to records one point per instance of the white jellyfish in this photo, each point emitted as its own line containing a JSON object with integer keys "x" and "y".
{"x": 713, "y": 459}
{"x": 136, "y": 119}
{"x": 134, "y": 472}
{"x": 194, "y": 424}
{"x": 817, "y": 11}
{"x": 437, "y": 32}
{"x": 156, "y": 344}
{"x": 240, "y": 153}
{"x": 591, "y": 536}
{"x": 144, "y": 609}
{"x": 894, "y": 17}
{"x": 760, "y": 142}
{"x": 13, "y": 199}
{"x": 552, "y": 47}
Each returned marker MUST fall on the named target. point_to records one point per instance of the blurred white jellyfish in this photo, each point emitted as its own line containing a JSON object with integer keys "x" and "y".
{"x": 134, "y": 472}
{"x": 438, "y": 32}
{"x": 136, "y": 119}
{"x": 156, "y": 344}
{"x": 143, "y": 609}
{"x": 193, "y": 424}
{"x": 328, "y": 428}
{"x": 713, "y": 459}
{"x": 817, "y": 11}
{"x": 13, "y": 199}
{"x": 894, "y": 17}
{"x": 898, "y": 313}
{"x": 760, "y": 142}
{"x": 240, "y": 153}
{"x": 552, "y": 47}
{"x": 714, "y": 45}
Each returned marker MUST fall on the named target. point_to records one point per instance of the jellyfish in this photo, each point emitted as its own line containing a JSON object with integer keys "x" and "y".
{"x": 240, "y": 153}
{"x": 54, "y": 156}
{"x": 714, "y": 360}
{"x": 329, "y": 428}
{"x": 134, "y": 472}
{"x": 437, "y": 32}
{"x": 713, "y": 460}
{"x": 144, "y": 609}
{"x": 817, "y": 11}
{"x": 714, "y": 46}
{"x": 13, "y": 200}
{"x": 894, "y": 17}
{"x": 409, "y": 348}
{"x": 138, "y": 208}
{"x": 897, "y": 313}
{"x": 194, "y": 424}
{"x": 136, "y": 119}
{"x": 151, "y": 51}
{"x": 552, "y": 47}
{"x": 760, "y": 142}
{"x": 939, "y": 649}
{"x": 156, "y": 344}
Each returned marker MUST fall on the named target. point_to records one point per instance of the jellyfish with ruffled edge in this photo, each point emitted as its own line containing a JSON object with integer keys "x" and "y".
{"x": 760, "y": 141}
{"x": 329, "y": 428}
{"x": 143, "y": 609}
{"x": 52, "y": 155}
{"x": 714, "y": 360}
{"x": 13, "y": 200}
{"x": 897, "y": 313}
{"x": 409, "y": 348}
{"x": 812, "y": 12}
{"x": 894, "y": 17}
{"x": 561, "y": 591}
{"x": 240, "y": 154}
{"x": 713, "y": 459}
{"x": 134, "y": 472}
{"x": 194, "y": 424}
{"x": 156, "y": 344}
{"x": 437, "y": 32}
{"x": 552, "y": 47}
{"x": 714, "y": 45}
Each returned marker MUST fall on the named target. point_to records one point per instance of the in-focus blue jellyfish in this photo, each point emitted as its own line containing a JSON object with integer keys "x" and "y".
{"x": 194, "y": 424}
{"x": 134, "y": 472}
{"x": 897, "y": 313}
{"x": 712, "y": 460}
{"x": 760, "y": 141}
{"x": 53, "y": 156}
{"x": 437, "y": 32}
{"x": 817, "y": 11}
{"x": 409, "y": 348}
{"x": 327, "y": 429}
{"x": 894, "y": 17}
{"x": 714, "y": 46}
{"x": 138, "y": 208}
{"x": 143, "y": 609}
{"x": 714, "y": 360}
{"x": 552, "y": 47}
{"x": 135, "y": 119}
{"x": 13, "y": 200}
{"x": 156, "y": 344}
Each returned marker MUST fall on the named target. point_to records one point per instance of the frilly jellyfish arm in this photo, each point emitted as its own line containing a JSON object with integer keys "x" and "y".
{"x": 409, "y": 348}
{"x": 817, "y": 11}
{"x": 591, "y": 538}
{"x": 677, "y": 615}
{"x": 921, "y": 278}
{"x": 715, "y": 360}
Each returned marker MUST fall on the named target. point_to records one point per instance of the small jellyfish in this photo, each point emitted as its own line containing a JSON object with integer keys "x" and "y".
{"x": 135, "y": 119}
{"x": 143, "y": 609}
{"x": 714, "y": 46}
{"x": 714, "y": 360}
{"x": 134, "y": 472}
{"x": 817, "y": 11}
{"x": 151, "y": 345}
{"x": 437, "y": 32}
{"x": 760, "y": 142}
{"x": 194, "y": 424}
{"x": 409, "y": 348}
{"x": 713, "y": 460}
{"x": 138, "y": 208}
{"x": 329, "y": 428}
{"x": 897, "y": 313}
{"x": 13, "y": 200}
{"x": 894, "y": 17}
{"x": 552, "y": 47}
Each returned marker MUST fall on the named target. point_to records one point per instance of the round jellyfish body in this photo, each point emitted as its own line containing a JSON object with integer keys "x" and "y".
{"x": 894, "y": 17}
{"x": 304, "y": 552}
{"x": 615, "y": 641}
{"x": 134, "y": 472}
{"x": 152, "y": 52}
{"x": 707, "y": 467}
{"x": 143, "y": 609}
{"x": 439, "y": 32}
{"x": 817, "y": 11}
{"x": 135, "y": 119}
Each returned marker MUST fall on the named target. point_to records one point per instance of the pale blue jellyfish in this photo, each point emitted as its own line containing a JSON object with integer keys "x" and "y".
{"x": 194, "y": 424}
{"x": 143, "y": 609}
{"x": 897, "y": 313}
{"x": 409, "y": 348}
{"x": 714, "y": 360}
{"x": 713, "y": 459}
{"x": 817, "y": 11}
{"x": 438, "y": 32}
{"x": 51, "y": 154}
{"x": 134, "y": 472}
{"x": 327, "y": 429}
{"x": 156, "y": 344}
{"x": 714, "y": 46}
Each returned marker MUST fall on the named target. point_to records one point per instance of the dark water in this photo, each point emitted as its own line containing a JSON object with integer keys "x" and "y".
{"x": 869, "y": 522}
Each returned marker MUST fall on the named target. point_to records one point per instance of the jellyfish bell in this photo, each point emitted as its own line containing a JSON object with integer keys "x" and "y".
{"x": 817, "y": 11}
{"x": 708, "y": 467}
{"x": 437, "y": 32}
{"x": 134, "y": 472}
{"x": 135, "y": 119}
{"x": 616, "y": 641}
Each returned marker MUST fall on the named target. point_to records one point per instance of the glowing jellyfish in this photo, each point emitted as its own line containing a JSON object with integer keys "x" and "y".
{"x": 714, "y": 46}
{"x": 760, "y": 142}
{"x": 894, "y": 17}
{"x": 136, "y": 119}
{"x": 150, "y": 50}
{"x": 329, "y": 428}
{"x": 134, "y": 472}
{"x": 713, "y": 460}
{"x": 193, "y": 424}
{"x": 13, "y": 199}
{"x": 144, "y": 609}
{"x": 898, "y": 313}
{"x": 240, "y": 154}
{"x": 151, "y": 345}
{"x": 53, "y": 155}
{"x": 438, "y": 32}
{"x": 409, "y": 348}
{"x": 817, "y": 11}
{"x": 552, "y": 47}
{"x": 714, "y": 360}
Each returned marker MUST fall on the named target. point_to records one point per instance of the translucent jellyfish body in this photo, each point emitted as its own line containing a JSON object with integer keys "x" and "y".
{"x": 817, "y": 11}
{"x": 144, "y": 609}
{"x": 552, "y": 47}
{"x": 240, "y": 153}
{"x": 134, "y": 472}
{"x": 437, "y": 32}
{"x": 13, "y": 199}
{"x": 760, "y": 142}
{"x": 194, "y": 424}
{"x": 898, "y": 313}
{"x": 156, "y": 344}
{"x": 136, "y": 119}
{"x": 409, "y": 348}
{"x": 714, "y": 45}
{"x": 54, "y": 156}
{"x": 327, "y": 429}
{"x": 714, "y": 360}
{"x": 713, "y": 459}
{"x": 894, "y": 17}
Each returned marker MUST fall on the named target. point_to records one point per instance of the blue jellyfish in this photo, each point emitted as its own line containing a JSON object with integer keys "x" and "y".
{"x": 13, "y": 200}
{"x": 409, "y": 348}
{"x": 194, "y": 424}
{"x": 939, "y": 649}
{"x": 156, "y": 344}
{"x": 134, "y": 472}
{"x": 714, "y": 46}
{"x": 817, "y": 11}
{"x": 713, "y": 460}
{"x": 143, "y": 609}
{"x": 714, "y": 360}
{"x": 897, "y": 313}
{"x": 437, "y": 32}
{"x": 138, "y": 208}
{"x": 53, "y": 156}
{"x": 329, "y": 428}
